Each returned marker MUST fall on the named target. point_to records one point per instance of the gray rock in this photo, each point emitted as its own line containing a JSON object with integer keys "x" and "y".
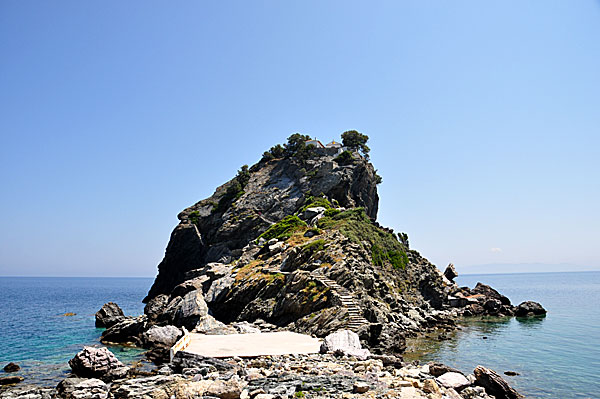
{"x": 217, "y": 287}
{"x": 108, "y": 315}
{"x": 145, "y": 388}
{"x": 156, "y": 306}
{"x": 186, "y": 360}
{"x": 450, "y": 273}
{"x": 529, "y": 308}
{"x": 438, "y": 369}
{"x": 310, "y": 213}
{"x": 27, "y": 392}
{"x": 190, "y": 310}
{"x": 344, "y": 342}
{"x": 456, "y": 381}
{"x": 360, "y": 387}
{"x": 82, "y": 388}
{"x": 494, "y": 384}
{"x": 166, "y": 335}
{"x": 128, "y": 330}
{"x": 94, "y": 362}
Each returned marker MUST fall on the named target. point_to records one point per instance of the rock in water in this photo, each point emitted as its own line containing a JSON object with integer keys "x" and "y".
{"x": 450, "y": 273}
{"x": 82, "y": 388}
{"x": 13, "y": 379}
{"x": 529, "y": 308}
{"x": 94, "y": 363}
{"x": 494, "y": 384}
{"x": 129, "y": 329}
{"x": 109, "y": 315}
{"x": 12, "y": 367}
{"x": 344, "y": 342}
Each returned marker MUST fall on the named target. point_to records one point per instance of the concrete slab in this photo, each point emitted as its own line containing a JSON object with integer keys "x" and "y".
{"x": 252, "y": 345}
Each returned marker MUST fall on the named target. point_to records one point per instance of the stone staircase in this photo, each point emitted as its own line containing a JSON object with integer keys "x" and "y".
{"x": 355, "y": 319}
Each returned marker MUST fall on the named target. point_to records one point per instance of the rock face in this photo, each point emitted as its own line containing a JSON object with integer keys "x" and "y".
{"x": 109, "y": 315}
{"x": 96, "y": 363}
{"x": 450, "y": 273}
{"x": 211, "y": 231}
{"x": 529, "y": 308}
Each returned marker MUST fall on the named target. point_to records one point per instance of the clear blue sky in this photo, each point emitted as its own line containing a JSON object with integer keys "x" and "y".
{"x": 484, "y": 119}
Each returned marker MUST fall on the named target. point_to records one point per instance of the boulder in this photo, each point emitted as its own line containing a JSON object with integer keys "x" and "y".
{"x": 186, "y": 360}
{"x": 450, "y": 273}
{"x": 94, "y": 362}
{"x": 344, "y": 342}
{"x": 191, "y": 309}
{"x": 13, "y": 379}
{"x": 456, "y": 381}
{"x": 489, "y": 292}
{"x": 189, "y": 285}
{"x": 156, "y": 306}
{"x": 12, "y": 367}
{"x": 529, "y": 308}
{"x": 82, "y": 388}
{"x": 217, "y": 287}
{"x": 166, "y": 335}
{"x": 494, "y": 384}
{"x": 360, "y": 387}
{"x": 310, "y": 213}
{"x": 128, "y": 330}
{"x": 108, "y": 315}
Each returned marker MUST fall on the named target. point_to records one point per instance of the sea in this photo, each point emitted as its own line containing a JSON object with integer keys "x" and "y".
{"x": 557, "y": 356}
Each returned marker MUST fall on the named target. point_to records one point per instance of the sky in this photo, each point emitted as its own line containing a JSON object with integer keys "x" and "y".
{"x": 483, "y": 118}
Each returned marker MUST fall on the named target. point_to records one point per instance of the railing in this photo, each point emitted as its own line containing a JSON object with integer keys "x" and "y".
{"x": 181, "y": 344}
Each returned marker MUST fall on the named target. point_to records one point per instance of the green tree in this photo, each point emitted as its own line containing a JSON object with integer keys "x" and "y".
{"x": 356, "y": 141}
{"x": 295, "y": 143}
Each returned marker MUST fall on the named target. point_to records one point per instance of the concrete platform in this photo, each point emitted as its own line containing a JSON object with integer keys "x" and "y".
{"x": 252, "y": 345}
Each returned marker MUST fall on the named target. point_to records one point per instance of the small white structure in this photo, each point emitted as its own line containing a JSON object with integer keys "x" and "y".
{"x": 316, "y": 143}
{"x": 334, "y": 144}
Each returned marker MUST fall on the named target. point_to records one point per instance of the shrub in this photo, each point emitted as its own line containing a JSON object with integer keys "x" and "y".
{"x": 194, "y": 217}
{"x": 315, "y": 246}
{"x": 284, "y": 229}
{"x": 331, "y": 212}
{"x": 345, "y": 158}
{"x": 312, "y": 202}
{"x": 235, "y": 189}
{"x": 356, "y": 141}
{"x": 356, "y": 225}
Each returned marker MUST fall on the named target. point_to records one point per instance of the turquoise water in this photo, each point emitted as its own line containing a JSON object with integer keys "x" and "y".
{"x": 557, "y": 356}
{"x": 33, "y": 333}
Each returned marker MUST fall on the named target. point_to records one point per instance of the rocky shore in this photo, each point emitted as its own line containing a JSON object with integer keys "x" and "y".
{"x": 291, "y": 244}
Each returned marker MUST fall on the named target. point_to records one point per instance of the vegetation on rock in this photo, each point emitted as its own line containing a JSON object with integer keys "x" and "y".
{"x": 235, "y": 189}
{"x": 284, "y": 229}
{"x": 356, "y": 225}
{"x": 356, "y": 141}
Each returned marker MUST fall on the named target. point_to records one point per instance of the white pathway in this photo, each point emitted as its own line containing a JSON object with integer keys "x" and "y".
{"x": 252, "y": 345}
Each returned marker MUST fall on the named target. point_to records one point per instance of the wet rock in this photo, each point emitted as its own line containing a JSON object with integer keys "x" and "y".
{"x": 109, "y": 314}
{"x": 511, "y": 373}
{"x": 344, "y": 342}
{"x": 450, "y": 273}
{"x": 13, "y": 379}
{"x": 529, "y": 308}
{"x": 456, "y": 381}
{"x": 12, "y": 367}
{"x": 94, "y": 363}
{"x": 494, "y": 384}
{"x": 82, "y": 388}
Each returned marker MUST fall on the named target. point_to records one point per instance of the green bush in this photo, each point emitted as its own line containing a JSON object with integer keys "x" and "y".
{"x": 331, "y": 212}
{"x": 312, "y": 202}
{"x": 284, "y": 229}
{"x": 194, "y": 217}
{"x": 345, "y": 158}
{"x": 315, "y": 246}
{"x": 234, "y": 191}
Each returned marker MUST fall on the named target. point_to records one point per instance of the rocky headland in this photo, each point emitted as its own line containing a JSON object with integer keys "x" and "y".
{"x": 291, "y": 243}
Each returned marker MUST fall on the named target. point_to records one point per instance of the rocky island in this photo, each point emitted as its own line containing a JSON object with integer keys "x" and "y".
{"x": 291, "y": 243}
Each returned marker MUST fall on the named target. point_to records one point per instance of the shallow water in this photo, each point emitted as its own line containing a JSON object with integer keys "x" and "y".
{"x": 35, "y": 335}
{"x": 557, "y": 356}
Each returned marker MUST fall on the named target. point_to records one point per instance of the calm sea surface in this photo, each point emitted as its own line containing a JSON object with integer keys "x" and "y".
{"x": 33, "y": 333}
{"x": 557, "y": 357}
